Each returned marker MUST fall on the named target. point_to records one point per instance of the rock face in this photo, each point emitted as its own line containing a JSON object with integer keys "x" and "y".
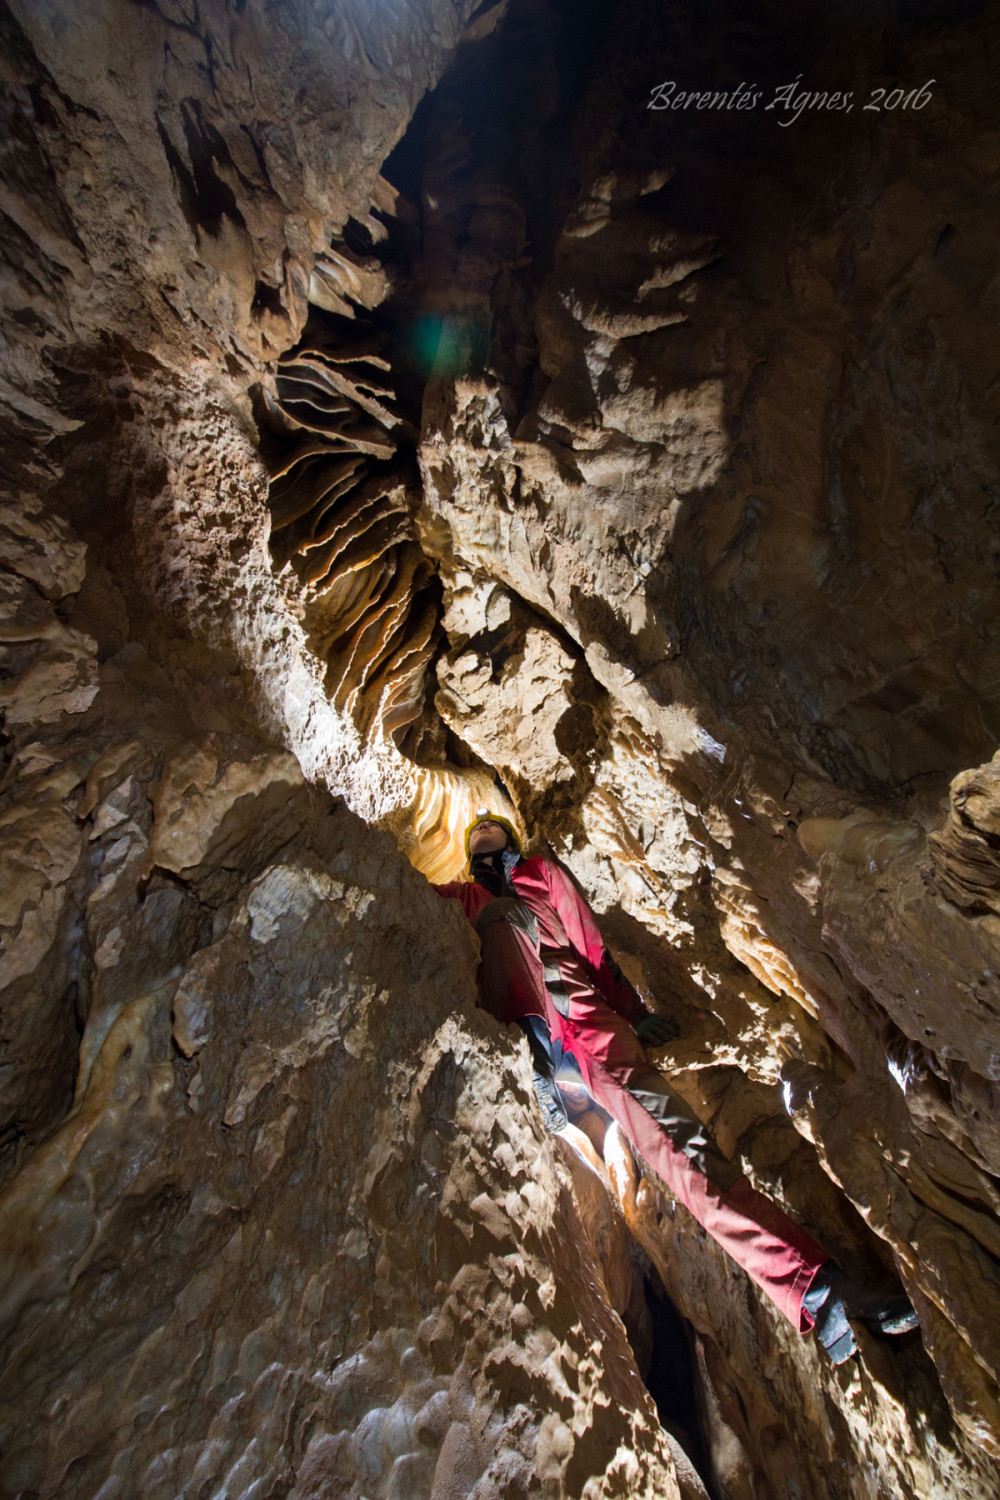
{"x": 248, "y": 1168}
{"x": 695, "y": 489}
{"x": 357, "y": 454}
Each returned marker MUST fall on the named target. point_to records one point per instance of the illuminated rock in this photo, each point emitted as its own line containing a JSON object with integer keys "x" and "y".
{"x": 630, "y": 474}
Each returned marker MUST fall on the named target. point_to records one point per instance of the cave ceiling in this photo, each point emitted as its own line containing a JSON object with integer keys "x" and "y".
{"x": 403, "y": 413}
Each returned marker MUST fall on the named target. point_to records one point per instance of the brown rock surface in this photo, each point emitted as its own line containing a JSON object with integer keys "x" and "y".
{"x": 682, "y": 524}
{"x": 249, "y": 1205}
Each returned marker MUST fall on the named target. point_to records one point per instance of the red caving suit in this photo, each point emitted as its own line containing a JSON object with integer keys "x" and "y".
{"x": 557, "y": 967}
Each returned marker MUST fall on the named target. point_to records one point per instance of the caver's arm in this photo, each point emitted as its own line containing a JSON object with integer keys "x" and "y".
{"x": 450, "y": 888}
{"x": 465, "y": 891}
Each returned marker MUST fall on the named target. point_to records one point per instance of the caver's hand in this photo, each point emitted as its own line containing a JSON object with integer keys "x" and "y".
{"x": 656, "y": 1031}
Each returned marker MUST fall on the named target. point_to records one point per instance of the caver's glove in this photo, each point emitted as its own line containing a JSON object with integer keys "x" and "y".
{"x": 656, "y": 1031}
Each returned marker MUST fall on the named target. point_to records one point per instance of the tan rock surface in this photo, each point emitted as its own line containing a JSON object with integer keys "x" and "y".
{"x": 749, "y": 581}
{"x": 336, "y": 1239}
{"x": 683, "y": 525}
{"x": 778, "y": 1428}
{"x": 222, "y": 808}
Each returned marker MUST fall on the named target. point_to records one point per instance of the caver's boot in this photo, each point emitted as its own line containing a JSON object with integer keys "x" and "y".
{"x": 549, "y": 1102}
{"x": 835, "y": 1297}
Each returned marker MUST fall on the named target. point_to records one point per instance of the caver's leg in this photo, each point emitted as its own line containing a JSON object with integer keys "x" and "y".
{"x": 511, "y": 975}
{"x": 543, "y": 1056}
{"x": 512, "y": 986}
{"x": 779, "y": 1256}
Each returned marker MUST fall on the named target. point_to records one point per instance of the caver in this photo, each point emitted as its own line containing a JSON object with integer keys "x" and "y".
{"x": 545, "y": 967}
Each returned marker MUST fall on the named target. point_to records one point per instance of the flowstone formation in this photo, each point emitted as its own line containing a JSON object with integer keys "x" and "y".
{"x": 399, "y": 416}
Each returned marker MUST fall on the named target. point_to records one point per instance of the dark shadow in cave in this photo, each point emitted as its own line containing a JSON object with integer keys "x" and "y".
{"x": 661, "y": 1340}
{"x": 672, "y": 1377}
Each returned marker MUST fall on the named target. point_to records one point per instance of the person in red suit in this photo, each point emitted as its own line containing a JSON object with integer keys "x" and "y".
{"x": 545, "y": 967}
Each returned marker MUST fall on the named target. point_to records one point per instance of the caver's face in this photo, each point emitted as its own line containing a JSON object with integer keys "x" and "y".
{"x": 487, "y": 838}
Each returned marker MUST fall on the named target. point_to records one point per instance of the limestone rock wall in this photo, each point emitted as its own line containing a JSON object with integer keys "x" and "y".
{"x": 691, "y": 543}
{"x": 278, "y": 1214}
{"x": 299, "y": 1229}
{"x": 704, "y": 561}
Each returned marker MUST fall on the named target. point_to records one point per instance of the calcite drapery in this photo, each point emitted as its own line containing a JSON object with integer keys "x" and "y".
{"x": 342, "y": 514}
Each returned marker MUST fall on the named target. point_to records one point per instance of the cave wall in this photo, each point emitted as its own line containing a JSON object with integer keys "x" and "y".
{"x": 714, "y": 492}
{"x": 244, "y": 1076}
{"x": 702, "y": 465}
{"x": 299, "y": 1233}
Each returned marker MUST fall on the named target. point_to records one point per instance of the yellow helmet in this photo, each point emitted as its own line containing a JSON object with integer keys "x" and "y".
{"x": 485, "y": 816}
